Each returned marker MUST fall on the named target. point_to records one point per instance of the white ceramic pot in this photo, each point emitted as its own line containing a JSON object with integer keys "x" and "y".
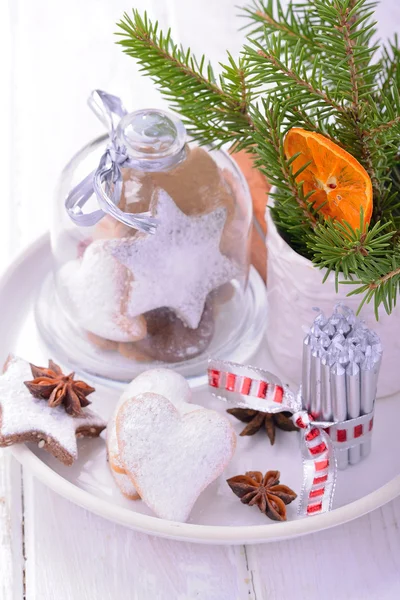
{"x": 294, "y": 287}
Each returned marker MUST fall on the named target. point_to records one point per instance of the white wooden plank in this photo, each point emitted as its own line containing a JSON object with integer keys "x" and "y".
{"x": 11, "y": 539}
{"x": 87, "y": 557}
{"x": 356, "y": 561}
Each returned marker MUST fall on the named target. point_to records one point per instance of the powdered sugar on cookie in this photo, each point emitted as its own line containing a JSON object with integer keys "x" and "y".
{"x": 171, "y": 457}
{"x": 165, "y": 382}
{"x": 97, "y": 288}
{"x": 179, "y": 265}
{"x": 24, "y": 418}
{"x": 125, "y": 485}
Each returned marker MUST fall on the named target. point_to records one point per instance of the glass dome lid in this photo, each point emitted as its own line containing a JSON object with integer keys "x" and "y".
{"x": 151, "y": 248}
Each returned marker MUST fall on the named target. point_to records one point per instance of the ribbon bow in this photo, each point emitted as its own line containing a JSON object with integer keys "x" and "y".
{"x": 262, "y": 391}
{"x": 106, "y": 181}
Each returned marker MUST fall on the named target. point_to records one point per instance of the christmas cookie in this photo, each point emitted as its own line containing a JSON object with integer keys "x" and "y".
{"x": 43, "y": 405}
{"x": 160, "y": 381}
{"x": 116, "y": 281}
{"x": 101, "y": 342}
{"x": 170, "y": 340}
{"x": 172, "y": 457}
{"x": 125, "y": 485}
{"x": 178, "y": 266}
{"x": 97, "y": 290}
{"x": 196, "y": 185}
{"x": 130, "y": 350}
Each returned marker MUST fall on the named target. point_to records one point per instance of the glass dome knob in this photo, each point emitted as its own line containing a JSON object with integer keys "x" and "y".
{"x": 154, "y": 138}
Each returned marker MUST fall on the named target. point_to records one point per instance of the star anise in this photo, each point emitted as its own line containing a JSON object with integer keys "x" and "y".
{"x": 257, "y": 419}
{"x": 51, "y": 384}
{"x": 265, "y": 492}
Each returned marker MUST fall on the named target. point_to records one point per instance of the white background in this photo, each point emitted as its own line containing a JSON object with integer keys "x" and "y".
{"x": 52, "y": 54}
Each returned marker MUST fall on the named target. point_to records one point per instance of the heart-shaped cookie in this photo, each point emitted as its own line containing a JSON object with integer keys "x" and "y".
{"x": 161, "y": 381}
{"x": 172, "y": 457}
{"x": 166, "y": 382}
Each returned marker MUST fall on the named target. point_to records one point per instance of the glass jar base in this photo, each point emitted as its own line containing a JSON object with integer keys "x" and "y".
{"x": 68, "y": 343}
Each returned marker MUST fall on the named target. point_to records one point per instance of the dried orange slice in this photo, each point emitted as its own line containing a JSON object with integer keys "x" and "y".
{"x": 336, "y": 176}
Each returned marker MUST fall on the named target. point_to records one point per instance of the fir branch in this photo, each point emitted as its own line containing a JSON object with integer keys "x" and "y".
{"x": 376, "y": 131}
{"x": 144, "y": 33}
{"x": 298, "y": 117}
{"x": 271, "y": 69}
{"x": 339, "y": 248}
{"x": 379, "y": 282}
{"x": 182, "y": 81}
{"x": 313, "y": 65}
{"x": 348, "y": 31}
{"x": 389, "y": 67}
{"x": 384, "y": 279}
{"x": 271, "y": 18}
{"x": 267, "y": 19}
{"x": 345, "y": 24}
{"x": 268, "y": 138}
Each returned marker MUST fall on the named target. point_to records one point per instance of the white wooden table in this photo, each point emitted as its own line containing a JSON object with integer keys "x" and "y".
{"x": 49, "y": 548}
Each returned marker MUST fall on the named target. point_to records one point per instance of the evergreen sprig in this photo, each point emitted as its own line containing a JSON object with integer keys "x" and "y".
{"x": 314, "y": 65}
{"x": 214, "y": 109}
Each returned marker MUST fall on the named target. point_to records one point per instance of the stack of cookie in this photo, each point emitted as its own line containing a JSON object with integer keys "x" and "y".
{"x": 163, "y": 449}
{"x": 153, "y": 297}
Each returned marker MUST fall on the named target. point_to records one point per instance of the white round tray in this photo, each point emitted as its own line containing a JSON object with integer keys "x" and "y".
{"x": 218, "y": 516}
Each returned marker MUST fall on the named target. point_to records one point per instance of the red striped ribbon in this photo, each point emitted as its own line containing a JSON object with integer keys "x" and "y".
{"x": 259, "y": 390}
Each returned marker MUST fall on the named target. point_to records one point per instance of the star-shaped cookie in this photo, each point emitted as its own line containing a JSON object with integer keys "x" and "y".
{"x": 179, "y": 265}
{"x": 24, "y": 418}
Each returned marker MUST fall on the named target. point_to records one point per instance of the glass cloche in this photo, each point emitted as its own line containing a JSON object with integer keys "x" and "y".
{"x": 151, "y": 240}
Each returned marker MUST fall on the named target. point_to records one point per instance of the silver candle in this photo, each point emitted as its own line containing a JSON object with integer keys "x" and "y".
{"x": 329, "y": 329}
{"x": 315, "y": 383}
{"x": 369, "y": 382}
{"x": 339, "y": 405}
{"x": 341, "y": 360}
{"x": 353, "y": 389}
{"x": 306, "y": 372}
{"x": 326, "y": 397}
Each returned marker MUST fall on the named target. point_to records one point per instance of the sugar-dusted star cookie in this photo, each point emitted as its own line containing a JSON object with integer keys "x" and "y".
{"x": 38, "y": 404}
{"x": 179, "y": 265}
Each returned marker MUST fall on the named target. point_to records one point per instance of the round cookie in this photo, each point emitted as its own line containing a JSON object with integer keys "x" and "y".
{"x": 129, "y": 350}
{"x": 101, "y": 342}
{"x": 196, "y": 184}
{"x": 170, "y": 340}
